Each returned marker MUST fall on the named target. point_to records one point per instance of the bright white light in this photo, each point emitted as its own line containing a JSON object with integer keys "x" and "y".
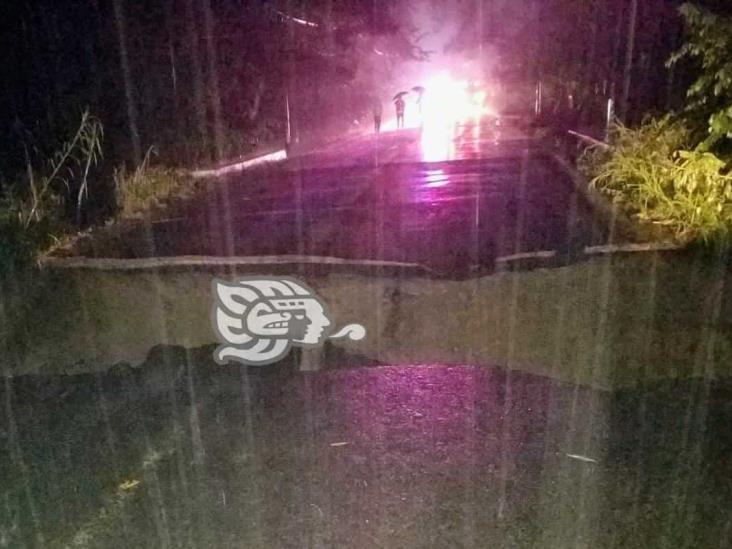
{"x": 437, "y": 142}
{"x": 444, "y": 99}
{"x": 446, "y": 103}
{"x": 447, "y": 99}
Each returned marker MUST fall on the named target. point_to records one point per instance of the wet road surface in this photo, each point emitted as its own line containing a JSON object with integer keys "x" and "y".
{"x": 184, "y": 453}
{"x": 453, "y": 200}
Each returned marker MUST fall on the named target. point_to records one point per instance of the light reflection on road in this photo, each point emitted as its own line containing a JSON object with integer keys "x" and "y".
{"x": 435, "y": 178}
{"x": 437, "y": 141}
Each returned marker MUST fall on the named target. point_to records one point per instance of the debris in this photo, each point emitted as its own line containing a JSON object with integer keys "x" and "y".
{"x": 581, "y": 458}
{"x": 129, "y": 484}
{"x": 334, "y": 444}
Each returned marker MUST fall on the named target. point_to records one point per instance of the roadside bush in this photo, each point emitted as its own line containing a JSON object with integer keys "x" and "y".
{"x": 673, "y": 173}
{"x": 652, "y": 171}
{"x": 637, "y": 158}
{"x": 148, "y": 187}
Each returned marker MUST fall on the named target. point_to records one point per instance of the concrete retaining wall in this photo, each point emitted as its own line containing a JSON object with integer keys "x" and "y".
{"x": 610, "y": 321}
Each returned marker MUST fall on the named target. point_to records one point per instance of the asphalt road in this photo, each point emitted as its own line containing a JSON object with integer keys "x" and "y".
{"x": 186, "y": 453}
{"x": 183, "y": 452}
{"x": 450, "y": 198}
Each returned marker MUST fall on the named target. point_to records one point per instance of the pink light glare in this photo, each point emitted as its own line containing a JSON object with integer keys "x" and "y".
{"x": 439, "y": 29}
{"x": 446, "y": 101}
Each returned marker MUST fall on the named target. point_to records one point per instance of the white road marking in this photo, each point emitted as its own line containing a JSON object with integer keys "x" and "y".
{"x": 243, "y": 165}
{"x": 143, "y": 263}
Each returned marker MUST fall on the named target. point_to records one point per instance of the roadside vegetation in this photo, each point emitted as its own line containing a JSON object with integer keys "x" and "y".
{"x": 148, "y": 187}
{"x": 674, "y": 171}
{"x": 49, "y": 198}
{"x": 49, "y": 203}
{"x": 663, "y": 180}
{"x": 205, "y": 83}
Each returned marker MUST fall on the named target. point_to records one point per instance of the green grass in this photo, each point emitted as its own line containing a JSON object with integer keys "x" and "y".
{"x": 148, "y": 187}
{"x": 655, "y": 173}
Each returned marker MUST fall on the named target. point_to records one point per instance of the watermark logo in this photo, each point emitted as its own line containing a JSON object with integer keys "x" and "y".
{"x": 258, "y": 320}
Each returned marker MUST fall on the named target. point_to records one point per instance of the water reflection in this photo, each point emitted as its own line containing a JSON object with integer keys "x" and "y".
{"x": 435, "y": 178}
{"x": 437, "y": 141}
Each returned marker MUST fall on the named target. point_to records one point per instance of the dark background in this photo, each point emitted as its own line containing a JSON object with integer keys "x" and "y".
{"x": 207, "y": 79}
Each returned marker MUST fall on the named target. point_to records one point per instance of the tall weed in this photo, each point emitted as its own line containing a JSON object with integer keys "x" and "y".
{"x": 31, "y": 206}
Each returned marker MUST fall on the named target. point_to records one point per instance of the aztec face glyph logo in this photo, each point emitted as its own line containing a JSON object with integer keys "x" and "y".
{"x": 257, "y": 319}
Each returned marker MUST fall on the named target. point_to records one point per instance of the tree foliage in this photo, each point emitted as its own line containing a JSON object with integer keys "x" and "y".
{"x": 709, "y": 46}
{"x": 206, "y": 78}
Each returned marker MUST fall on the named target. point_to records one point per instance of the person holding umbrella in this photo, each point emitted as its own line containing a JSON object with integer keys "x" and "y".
{"x": 400, "y": 105}
{"x": 419, "y": 90}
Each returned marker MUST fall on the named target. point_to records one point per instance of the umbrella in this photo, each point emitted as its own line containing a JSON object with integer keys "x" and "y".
{"x": 419, "y": 90}
{"x": 399, "y": 95}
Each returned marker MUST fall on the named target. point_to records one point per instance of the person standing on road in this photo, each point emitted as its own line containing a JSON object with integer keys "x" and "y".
{"x": 377, "y": 114}
{"x": 399, "y": 104}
